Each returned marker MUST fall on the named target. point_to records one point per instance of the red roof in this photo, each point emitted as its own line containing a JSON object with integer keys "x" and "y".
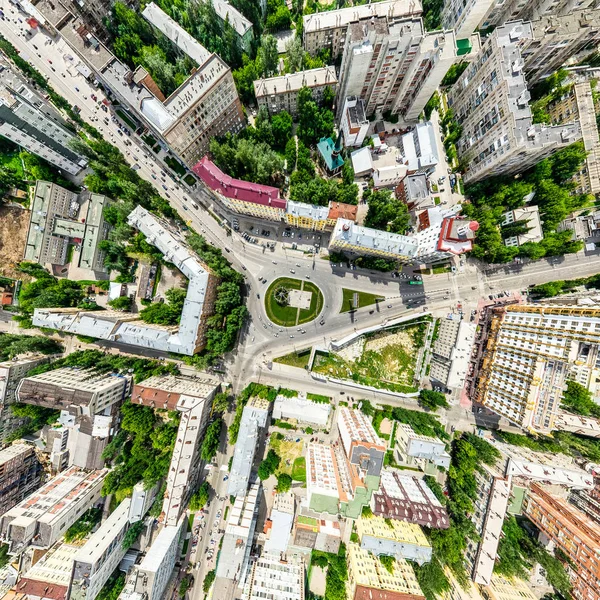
{"x": 41, "y": 589}
{"x": 369, "y": 593}
{"x": 237, "y": 189}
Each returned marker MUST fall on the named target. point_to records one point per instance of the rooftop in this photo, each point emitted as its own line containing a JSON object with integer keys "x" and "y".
{"x": 333, "y": 159}
{"x": 13, "y": 451}
{"x": 276, "y": 578}
{"x": 307, "y": 211}
{"x": 339, "y": 210}
{"x": 420, "y": 149}
{"x": 163, "y": 542}
{"x": 53, "y": 569}
{"x": 391, "y": 529}
{"x": 169, "y": 388}
{"x": 237, "y": 189}
{"x": 236, "y": 19}
{"x": 294, "y": 82}
{"x": 358, "y": 426}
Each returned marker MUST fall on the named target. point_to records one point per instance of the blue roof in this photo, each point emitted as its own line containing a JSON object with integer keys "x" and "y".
{"x": 326, "y": 147}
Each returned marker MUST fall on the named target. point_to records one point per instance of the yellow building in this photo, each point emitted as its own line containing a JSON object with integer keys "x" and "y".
{"x": 503, "y": 588}
{"x": 368, "y": 577}
{"x": 394, "y": 538}
{"x": 307, "y": 216}
{"x": 457, "y": 592}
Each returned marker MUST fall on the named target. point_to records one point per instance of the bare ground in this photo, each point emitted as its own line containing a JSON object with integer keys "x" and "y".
{"x": 14, "y": 223}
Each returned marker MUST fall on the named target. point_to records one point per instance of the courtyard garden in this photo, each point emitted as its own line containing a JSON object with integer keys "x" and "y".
{"x": 290, "y": 302}
{"x": 385, "y": 359}
{"x": 292, "y": 462}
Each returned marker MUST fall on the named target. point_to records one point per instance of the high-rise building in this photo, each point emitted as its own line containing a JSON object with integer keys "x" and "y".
{"x": 490, "y": 101}
{"x": 574, "y": 533}
{"x": 11, "y": 373}
{"x": 281, "y": 93}
{"x": 276, "y": 578}
{"x": 33, "y": 123}
{"x": 42, "y": 518}
{"x": 529, "y": 354}
{"x": 188, "y": 337}
{"x": 192, "y": 398}
{"x": 369, "y": 578}
{"x": 21, "y": 473}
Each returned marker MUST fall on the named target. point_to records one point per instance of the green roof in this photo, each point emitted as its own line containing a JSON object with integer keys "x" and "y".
{"x": 463, "y": 46}
{"x": 326, "y": 148}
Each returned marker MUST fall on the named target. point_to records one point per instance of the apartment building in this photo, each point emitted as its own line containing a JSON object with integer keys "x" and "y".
{"x": 192, "y": 398}
{"x": 424, "y": 451}
{"x": 279, "y": 525}
{"x": 239, "y": 535}
{"x": 187, "y": 338}
{"x": 505, "y": 588}
{"x": 31, "y": 122}
{"x": 530, "y": 351}
{"x": 326, "y": 483}
{"x": 578, "y": 105}
{"x": 281, "y": 93}
{"x": 11, "y": 373}
{"x": 393, "y": 538}
{"x": 491, "y": 102}
{"x": 60, "y": 218}
{"x": 368, "y": 578}
{"x": 254, "y": 419}
{"x": 408, "y": 498}
{"x": 277, "y": 578}
{"x": 530, "y": 215}
{"x": 42, "y": 518}
{"x": 307, "y": 216}
{"x": 242, "y": 27}
{"x": 240, "y": 196}
{"x": 21, "y": 473}
{"x": 574, "y": 533}
{"x": 329, "y": 29}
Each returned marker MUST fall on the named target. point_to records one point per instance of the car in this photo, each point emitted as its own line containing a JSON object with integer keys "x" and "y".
{"x": 224, "y": 479}
{"x": 371, "y": 312}
{"x": 389, "y": 306}
{"x": 258, "y": 295}
{"x": 244, "y": 267}
{"x": 292, "y": 271}
{"x": 308, "y": 277}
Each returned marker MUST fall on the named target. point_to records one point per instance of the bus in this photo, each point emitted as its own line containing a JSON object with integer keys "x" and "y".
{"x": 415, "y": 283}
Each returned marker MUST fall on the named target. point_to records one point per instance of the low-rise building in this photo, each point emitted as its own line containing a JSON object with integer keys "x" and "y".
{"x": 369, "y": 578}
{"x": 331, "y": 154}
{"x": 393, "y": 538}
{"x": 507, "y": 588}
{"x": 353, "y": 122}
{"x": 280, "y": 524}
{"x": 529, "y": 217}
{"x": 362, "y": 164}
{"x": 413, "y": 190}
{"x": 306, "y": 216}
{"x": 281, "y": 93}
{"x": 42, "y": 518}
{"x": 241, "y": 196}
{"x": 21, "y": 473}
{"x": 422, "y": 450}
{"x": 11, "y": 373}
{"x": 276, "y": 578}
{"x": 239, "y": 534}
{"x": 60, "y": 218}
{"x": 254, "y": 418}
{"x": 408, "y": 499}
{"x": 419, "y": 148}
{"x": 187, "y": 338}
{"x": 339, "y": 210}
{"x": 301, "y": 409}
{"x": 242, "y": 27}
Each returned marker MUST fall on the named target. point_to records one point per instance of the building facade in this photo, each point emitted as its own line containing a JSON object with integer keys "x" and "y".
{"x": 490, "y": 101}
{"x": 281, "y": 93}
{"x": 276, "y": 578}
{"x": 239, "y": 23}
{"x": 21, "y": 473}
{"x": 353, "y": 122}
{"x": 422, "y": 450}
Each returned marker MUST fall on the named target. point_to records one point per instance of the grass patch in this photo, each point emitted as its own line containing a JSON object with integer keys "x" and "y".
{"x": 289, "y": 452}
{"x": 124, "y": 117}
{"x": 287, "y": 316}
{"x": 70, "y": 250}
{"x": 319, "y": 398}
{"x": 175, "y": 166}
{"x": 295, "y": 359}
{"x": 307, "y": 521}
{"x": 299, "y": 469}
{"x": 364, "y": 299}
{"x": 12, "y": 161}
{"x": 190, "y": 179}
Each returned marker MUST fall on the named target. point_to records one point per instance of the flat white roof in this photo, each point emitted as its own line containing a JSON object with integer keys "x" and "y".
{"x": 236, "y": 19}
{"x": 161, "y": 546}
{"x": 294, "y": 82}
{"x": 361, "y": 160}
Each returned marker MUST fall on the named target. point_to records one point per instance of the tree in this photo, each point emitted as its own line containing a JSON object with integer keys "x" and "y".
{"x": 208, "y": 581}
{"x": 121, "y": 303}
{"x": 132, "y": 534}
{"x": 210, "y": 444}
{"x": 245, "y": 77}
{"x": 267, "y": 56}
{"x": 269, "y": 465}
{"x": 432, "y": 400}
{"x": 161, "y": 313}
{"x": 284, "y": 483}
{"x": 387, "y": 213}
{"x": 578, "y": 399}
{"x": 200, "y": 498}
{"x": 282, "y": 125}
{"x": 313, "y": 122}
{"x": 84, "y": 525}
{"x": 220, "y": 403}
{"x": 295, "y": 55}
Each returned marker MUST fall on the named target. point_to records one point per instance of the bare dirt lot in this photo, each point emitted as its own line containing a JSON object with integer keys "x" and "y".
{"x": 14, "y": 223}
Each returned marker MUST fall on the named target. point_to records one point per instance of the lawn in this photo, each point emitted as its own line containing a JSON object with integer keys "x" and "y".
{"x": 295, "y": 359}
{"x": 299, "y": 469}
{"x": 175, "y": 165}
{"x": 288, "y": 316}
{"x": 190, "y": 179}
{"x": 13, "y": 160}
{"x": 364, "y": 299}
{"x": 289, "y": 452}
{"x": 124, "y": 117}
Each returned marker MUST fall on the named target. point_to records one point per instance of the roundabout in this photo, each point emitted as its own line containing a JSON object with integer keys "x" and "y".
{"x": 290, "y": 302}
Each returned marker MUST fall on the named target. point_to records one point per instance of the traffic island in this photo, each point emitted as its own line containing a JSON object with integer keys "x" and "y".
{"x": 290, "y": 302}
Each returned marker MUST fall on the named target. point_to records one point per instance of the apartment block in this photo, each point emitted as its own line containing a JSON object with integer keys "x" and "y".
{"x": 239, "y": 23}
{"x": 393, "y": 538}
{"x": 329, "y": 29}
{"x": 21, "y": 473}
{"x": 326, "y": 481}
{"x": 353, "y": 122}
{"x": 505, "y": 588}
{"x": 307, "y": 216}
{"x": 11, "y": 373}
{"x": 254, "y": 419}
{"x": 192, "y": 398}
{"x": 31, "y": 122}
{"x": 529, "y": 353}
{"x": 422, "y": 450}
{"x": 239, "y": 534}
{"x": 240, "y": 196}
{"x": 41, "y": 519}
{"x": 491, "y": 102}
{"x": 187, "y": 338}
{"x": 408, "y": 498}
{"x": 59, "y": 218}
{"x": 574, "y": 533}
{"x": 97, "y": 559}
{"x": 368, "y": 578}
{"x": 280, "y": 527}
{"x": 148, "y": 580}
{"x": 276, "y": 578}
{"x": 578, "y": 104}
{"x": 281, "y": 93}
